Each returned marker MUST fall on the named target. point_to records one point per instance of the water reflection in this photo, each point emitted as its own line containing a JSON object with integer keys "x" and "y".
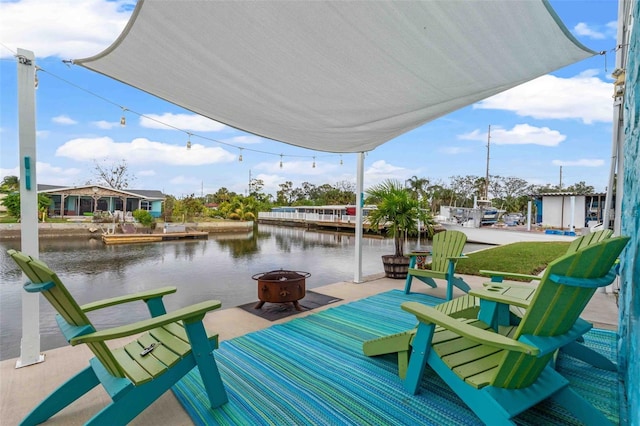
{"x": 219, "y": 268}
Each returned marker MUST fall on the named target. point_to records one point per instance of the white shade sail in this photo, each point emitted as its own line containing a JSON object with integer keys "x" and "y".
{"x": 335, "y": 76}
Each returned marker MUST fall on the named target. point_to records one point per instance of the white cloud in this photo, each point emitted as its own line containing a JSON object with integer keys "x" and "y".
{"x": 297, "y": 167}
{"x": 584, "y": 162}
{"x": 612, "y": 28}
{"x": 48, "y": 174}
{"x": 521, "y": 134}
{"x": 188, "y": 122}
{"x": 15, "y": 171}
{"x": 105, "y": 125}
{"x": 68, "y": 29}
{"x": 597, "y": 32}
{"x": 381, "y": 170}
{"x": 584, "y": 97}
{"x": 271, "y": 183}
{"x": 583, "y": 29}
{"x": 143, "y": 151}
{"x": 63, "y": 119}
{"x": 146, "y": 173}
{"x": 245, "y": 140}
{"x": 184, "y": 180}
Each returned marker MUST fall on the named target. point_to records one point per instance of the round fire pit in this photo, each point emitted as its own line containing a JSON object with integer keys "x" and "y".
{"x": 281, "y": 287}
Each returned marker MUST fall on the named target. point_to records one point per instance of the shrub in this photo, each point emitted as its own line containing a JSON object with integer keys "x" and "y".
{"x": 144, "y": 217}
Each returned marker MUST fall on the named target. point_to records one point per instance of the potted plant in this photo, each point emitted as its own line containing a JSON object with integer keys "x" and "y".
{"x": 399, "y": 212}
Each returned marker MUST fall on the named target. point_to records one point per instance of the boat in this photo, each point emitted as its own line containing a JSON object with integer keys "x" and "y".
{"x": 499, "y": 236}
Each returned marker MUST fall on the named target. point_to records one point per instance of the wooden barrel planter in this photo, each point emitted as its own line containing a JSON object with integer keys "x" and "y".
{"x": 395, "y": 266}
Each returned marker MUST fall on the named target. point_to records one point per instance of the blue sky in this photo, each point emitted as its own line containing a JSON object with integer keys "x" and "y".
{"x": 561, "y": 119}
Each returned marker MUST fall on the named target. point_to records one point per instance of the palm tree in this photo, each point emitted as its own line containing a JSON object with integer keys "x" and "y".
{"x": 397, "y": 210}
{"x": 417, "y": 186}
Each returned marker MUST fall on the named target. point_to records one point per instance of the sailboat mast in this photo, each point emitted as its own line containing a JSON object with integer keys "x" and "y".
{"x": 486, "y": 178}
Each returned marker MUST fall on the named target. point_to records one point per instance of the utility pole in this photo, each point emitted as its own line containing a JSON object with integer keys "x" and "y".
{"x": 560, "y": 187}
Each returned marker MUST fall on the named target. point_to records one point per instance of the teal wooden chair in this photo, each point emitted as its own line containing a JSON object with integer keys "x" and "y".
{"x": 501, "y": 373}
{"x": 446, "y": 251}
{"x": 135, "y": 375}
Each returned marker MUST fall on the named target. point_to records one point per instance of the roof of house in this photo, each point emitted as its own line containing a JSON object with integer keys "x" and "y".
{"x": 147, "y": 194}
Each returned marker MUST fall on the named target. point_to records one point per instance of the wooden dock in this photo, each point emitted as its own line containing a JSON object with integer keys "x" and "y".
{"x": 110, "y": 239}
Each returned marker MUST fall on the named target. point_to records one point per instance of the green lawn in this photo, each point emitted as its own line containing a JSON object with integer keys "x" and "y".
{"x": 522, "y": 258}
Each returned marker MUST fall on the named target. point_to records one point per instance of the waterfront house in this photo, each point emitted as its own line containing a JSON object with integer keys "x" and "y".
{"x": 86, "y": 200}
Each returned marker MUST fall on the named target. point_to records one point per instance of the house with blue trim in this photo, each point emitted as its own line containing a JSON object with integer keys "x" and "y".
{"x": 86, "y": 200}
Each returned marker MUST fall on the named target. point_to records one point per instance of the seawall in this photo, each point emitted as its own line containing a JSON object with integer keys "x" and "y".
{"x": 10, "y": 231}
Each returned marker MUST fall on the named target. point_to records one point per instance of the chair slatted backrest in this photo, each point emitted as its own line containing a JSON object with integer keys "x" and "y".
{"x": 556, "y": 306}
{"x": 589, "y": 239}
{"x": 445, "y": 245}
{"x": 66, "y": 306}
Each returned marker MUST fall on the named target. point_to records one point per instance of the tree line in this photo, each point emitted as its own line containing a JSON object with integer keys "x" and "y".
{"x": 508, "y": 193}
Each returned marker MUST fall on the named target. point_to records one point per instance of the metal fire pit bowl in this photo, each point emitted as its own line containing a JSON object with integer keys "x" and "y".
{"x": 281, "y": 287}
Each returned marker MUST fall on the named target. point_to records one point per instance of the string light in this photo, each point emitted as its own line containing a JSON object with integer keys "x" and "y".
{"x": 313, "y": 166}
{"x": 123, "y": 122}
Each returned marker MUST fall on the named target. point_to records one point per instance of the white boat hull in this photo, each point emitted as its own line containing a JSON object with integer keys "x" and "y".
{"x": 497, "y": 236}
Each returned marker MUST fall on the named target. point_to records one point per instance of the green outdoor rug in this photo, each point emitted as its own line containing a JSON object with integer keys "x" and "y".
{"x": 311, "y": 371}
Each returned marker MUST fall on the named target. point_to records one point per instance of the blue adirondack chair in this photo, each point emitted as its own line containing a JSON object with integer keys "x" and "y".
{"x": 501, "y": 373}
{"x": 446, "y": 251}
{"x": 135, "y": 375}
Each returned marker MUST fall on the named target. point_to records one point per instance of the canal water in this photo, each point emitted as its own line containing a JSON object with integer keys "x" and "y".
{"x": 218, "y": 268}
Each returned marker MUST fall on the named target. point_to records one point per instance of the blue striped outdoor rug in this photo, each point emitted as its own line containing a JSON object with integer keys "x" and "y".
{"x": 311, "y": 371}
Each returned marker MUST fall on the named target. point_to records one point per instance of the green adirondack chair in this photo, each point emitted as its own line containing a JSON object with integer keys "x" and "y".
{"x": 446, "y": 251}
{"x": 577, "y": 244}
{"x": 522, "y": 293}
{"x": 136, "y": 374}
{"x": 468, "y": 307}
{"x": 500, "y": 374}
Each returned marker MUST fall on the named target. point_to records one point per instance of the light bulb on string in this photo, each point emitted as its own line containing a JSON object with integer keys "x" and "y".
{"x": 240, "y": 156}
{"x": 341, "y": 159}
{"x": 189, "y": 141}
{"x": 313, "y": 166}
{"x": 280, "y": 160}
{"x": 123, "y": 119}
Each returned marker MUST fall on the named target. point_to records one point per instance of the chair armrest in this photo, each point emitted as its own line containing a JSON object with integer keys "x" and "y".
{"x": 429, "y": 315}
{"x": 500, "y": 298}
{"x": 510, "y": 275}
{"x": 189, "y": 314}
{"x": 144, "y": 295}
{"x": 456, "y": 258}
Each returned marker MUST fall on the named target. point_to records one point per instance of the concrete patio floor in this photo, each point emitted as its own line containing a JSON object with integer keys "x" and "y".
{"x": 21, "y": 389}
